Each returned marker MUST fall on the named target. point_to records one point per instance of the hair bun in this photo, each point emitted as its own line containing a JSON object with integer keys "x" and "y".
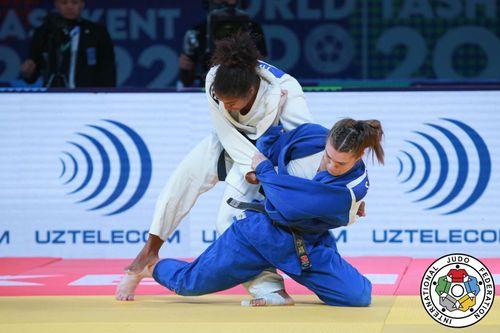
{"x": 358, "y": 126}
{"x": 238, "y": 50}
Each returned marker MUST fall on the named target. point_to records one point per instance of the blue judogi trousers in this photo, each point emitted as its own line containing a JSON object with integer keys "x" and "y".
{"x": 252, "y": 245}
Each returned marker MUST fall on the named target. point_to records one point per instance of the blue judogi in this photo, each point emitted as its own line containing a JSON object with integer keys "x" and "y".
{"x": 258, "y": 241}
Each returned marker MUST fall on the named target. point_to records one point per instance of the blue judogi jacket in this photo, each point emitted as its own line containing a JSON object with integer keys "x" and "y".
{"x": 311, "y": 206}
{"x": 315, "y": 205}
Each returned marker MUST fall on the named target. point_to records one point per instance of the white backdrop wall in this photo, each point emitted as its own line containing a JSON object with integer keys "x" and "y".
{"x": 453, "y": 139}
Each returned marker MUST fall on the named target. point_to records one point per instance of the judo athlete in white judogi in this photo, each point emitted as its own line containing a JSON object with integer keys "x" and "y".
{"x": 290, "y": 229}
{"x": 272, "y": 97}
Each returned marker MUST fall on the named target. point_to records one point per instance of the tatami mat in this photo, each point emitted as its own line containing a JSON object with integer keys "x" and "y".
{"x": 408, "y": 315}
{"x": 217, "y": 313}
{"x": 213, "y": 313}
{"x": 55, "y": 295}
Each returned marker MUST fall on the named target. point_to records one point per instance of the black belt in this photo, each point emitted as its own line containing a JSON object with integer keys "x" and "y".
{"x": 258, "y": 207}
{"x": 300, "y": 247}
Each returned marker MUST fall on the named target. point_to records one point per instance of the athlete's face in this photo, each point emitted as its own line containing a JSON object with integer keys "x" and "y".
{"x": 70, "y": 9}
{"x": 238, "y": 103}
{"x": 337, "y": 163}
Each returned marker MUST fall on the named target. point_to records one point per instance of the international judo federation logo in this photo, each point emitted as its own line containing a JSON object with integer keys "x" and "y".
{"x": 90, "y": 168}
{"x": 452, "y": 134}
{"x": 457, "y": 290}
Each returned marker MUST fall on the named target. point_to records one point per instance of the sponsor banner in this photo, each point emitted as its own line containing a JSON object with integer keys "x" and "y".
{"x": 80, "y": 173}
{"x": 313, "y": 39}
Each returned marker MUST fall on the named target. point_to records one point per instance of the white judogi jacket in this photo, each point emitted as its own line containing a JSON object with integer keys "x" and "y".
{"x": 279, "y": 98}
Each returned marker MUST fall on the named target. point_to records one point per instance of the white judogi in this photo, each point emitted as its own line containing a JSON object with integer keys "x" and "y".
{"x": 279, "y": 98}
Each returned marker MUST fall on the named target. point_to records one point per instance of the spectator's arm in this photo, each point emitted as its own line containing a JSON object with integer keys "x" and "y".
{"x": 30, "y": 69}
{"x": 106, "y": 60}
{"x": 186, "y": 70}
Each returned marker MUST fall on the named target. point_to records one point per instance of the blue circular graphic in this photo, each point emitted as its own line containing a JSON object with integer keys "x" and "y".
{"x": 464, "y": 165}
{"x": 122, "y": 168}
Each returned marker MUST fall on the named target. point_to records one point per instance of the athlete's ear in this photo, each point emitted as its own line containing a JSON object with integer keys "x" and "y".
{"x": 252, "y": 91}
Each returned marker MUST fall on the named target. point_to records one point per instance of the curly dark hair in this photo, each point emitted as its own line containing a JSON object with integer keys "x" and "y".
{"x": 237, "y": 57}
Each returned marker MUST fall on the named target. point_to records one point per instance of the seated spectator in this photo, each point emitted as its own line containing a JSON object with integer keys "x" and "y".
{"x": 69, "y": 51}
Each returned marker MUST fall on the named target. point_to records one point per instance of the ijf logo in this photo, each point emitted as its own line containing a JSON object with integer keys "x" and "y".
{"x": 125, "y": 166}
{"x": 454, "y": 166}
{"x": 457, "y": 290}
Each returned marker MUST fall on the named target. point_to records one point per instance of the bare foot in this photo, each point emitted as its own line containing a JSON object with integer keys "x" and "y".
{"x": 278, "y": 298}
{"x": 148, "y": 254}
{"x": 141, "y": 261}
{"x": 126, "y": 288}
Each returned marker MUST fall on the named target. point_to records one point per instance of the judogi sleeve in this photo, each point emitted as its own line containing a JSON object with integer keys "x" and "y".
{"x": 295, "y": 111}
{"x": 271, "y": 143}
{"x": 290, "y": 198}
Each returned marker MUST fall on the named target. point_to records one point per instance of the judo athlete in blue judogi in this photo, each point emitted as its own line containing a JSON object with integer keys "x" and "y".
{"x": 289, "y": 230}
